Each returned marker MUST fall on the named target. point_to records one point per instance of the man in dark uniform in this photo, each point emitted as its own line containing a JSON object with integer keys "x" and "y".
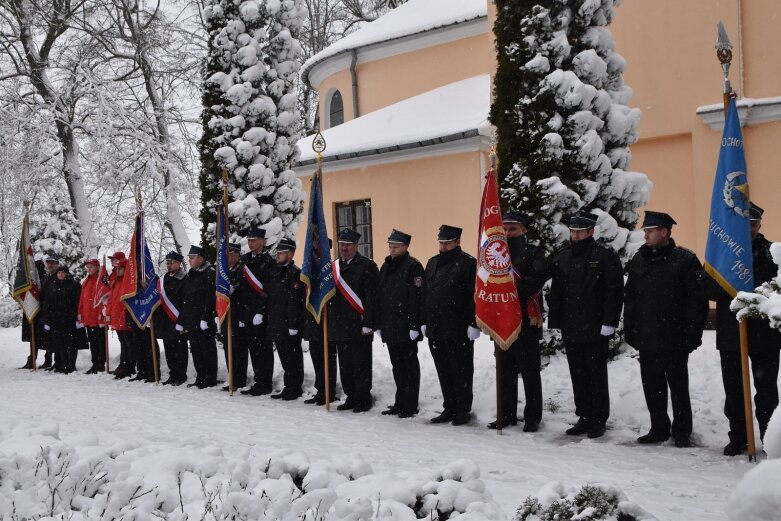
{"x": 400, "y": 297}
{"x": 530, "y": 271}
{"x": 764, "y": 343}
{"x": 352, "y": 314}
{"x": 238, "y": 320}
{"x": 313, "y": 333}
{"x": 449, "y": 323}
{"x": 285, "y": 314}
{"x": 26, "y": 333}
{"x": 665, "y": 311}
{"x": 585, "y": 303}
{"x": 197, "y": 317}
{"x": 166, "y": 328}
{"x": 257, "y": 263}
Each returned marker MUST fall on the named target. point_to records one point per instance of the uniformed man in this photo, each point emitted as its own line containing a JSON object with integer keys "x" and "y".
{"x": 449, "y": 323}
{"x": 398, "y": 324}
{"x": 352, "y": 314}
{"x": 764, "y": 343}
{"x": 172, "y": 334}
{"x": 197, "y": 317}
{"x": 530, "y": 271}
{"x": 50, "y": 265}
{"x": 90, "y": 316}
{"x": 285, "y": 314}
{"x": 27, "y": 332}
{"x": 238, "y": 319}
{"x": 665, "y": 311}
{"x": 257, "y": 263}
{"x": 585, "y": 302}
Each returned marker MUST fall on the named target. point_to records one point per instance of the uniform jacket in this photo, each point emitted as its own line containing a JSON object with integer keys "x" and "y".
{"x": 400, "y": 298}
{"x": 285, "y": 302}
{"x": 665, "y": 306}
{"x": 344, "y": 322}
{"x": 252, "y": 302}
{"x": 532, "y": 266}
{"x": 198, "y": 297}
{"x": 165, "y": 328}
{"x": 449, "y": 303}
{"x": 89, "y": 314}
{"x": 60, "y": 304}
{"x": 117, "y": 312}
{"x": 761, "y": 337}
{"x": 586, "y": 290}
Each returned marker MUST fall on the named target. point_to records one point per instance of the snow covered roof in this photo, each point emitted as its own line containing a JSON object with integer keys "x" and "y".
{"x": 455, "y": 111}
{"x": 413, "y": 17}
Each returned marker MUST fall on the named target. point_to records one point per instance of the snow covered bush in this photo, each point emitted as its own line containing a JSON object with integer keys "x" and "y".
{"x": 555, "y": 502}
{"x": 563, "y": 124}
{"x": 54, "y": 231}
{"x": 765, "y": 301}
{"x": 10, "y": 314}
{"x": 758, "y": 495}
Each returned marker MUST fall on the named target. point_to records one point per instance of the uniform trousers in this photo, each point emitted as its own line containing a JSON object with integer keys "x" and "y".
{"x": 522, "y": 357}
{"x": 97, "y": 345}
{"x": 204, "y": 349}
{"x": 142, "y": 346}
{"x": 355, "y": 369}
{"x": 764, "y": 367}
{"x": 406, "y": 374}
{"x": 176, "y": 357}
{"x": 659, "y": 371}
{"x": 454, "y": 361}
{"x": 317, "y": 356}
{"x": 292, "y": 359}
{"x": 127, "y": 360}
{"x": 588, "y": 370}
{"x": 261, "y": 353}
{"x": 240, "y": 355}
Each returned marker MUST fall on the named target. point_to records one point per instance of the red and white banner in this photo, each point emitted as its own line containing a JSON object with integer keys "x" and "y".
{"x": 497, "y": 306}
{"x": 168, "y": 306}
{"x": 346, "y": 291}
{"x": 252, "y": 279}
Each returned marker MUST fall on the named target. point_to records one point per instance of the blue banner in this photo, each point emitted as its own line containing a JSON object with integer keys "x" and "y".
{"x": 141, "y": 294}
{"x": 728, "y": 257}
{"x": 223, "y": 285}
{"x": 316, "y": 272}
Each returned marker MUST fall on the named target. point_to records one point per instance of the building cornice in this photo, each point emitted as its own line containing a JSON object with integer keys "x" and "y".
{"x": 318, "y": 71}
{"x": 752, "y": 111}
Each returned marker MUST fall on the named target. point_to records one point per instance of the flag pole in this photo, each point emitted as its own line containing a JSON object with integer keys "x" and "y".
{"x": 229, "y": 327}
{"x": 318, "y": 145}
{"x": 155, "y": 367}
{"x": 724, "y": 54}
{"x": 497, "y": 354}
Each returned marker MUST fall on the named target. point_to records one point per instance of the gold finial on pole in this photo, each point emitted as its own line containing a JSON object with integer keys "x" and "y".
{"x": 724, "y": 54}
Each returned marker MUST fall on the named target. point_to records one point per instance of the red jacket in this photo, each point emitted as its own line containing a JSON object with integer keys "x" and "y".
{"x": 117, "y": 311}
{"x": 89, "y": 315}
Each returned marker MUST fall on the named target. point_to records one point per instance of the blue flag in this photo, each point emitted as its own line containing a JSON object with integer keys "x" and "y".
{"x": 140, "y": 289}
{"x": 223, "y": 286}
{"x": 728, "y": 257}
{"x": 316, "y": 272}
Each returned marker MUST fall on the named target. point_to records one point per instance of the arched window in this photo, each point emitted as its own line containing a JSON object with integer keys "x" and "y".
{"x": 335, "y": 109}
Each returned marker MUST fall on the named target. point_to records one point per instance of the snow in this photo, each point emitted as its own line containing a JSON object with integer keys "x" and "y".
{"x": 96, "y": 415}
{"x": 758, "y": 496}
{"x": 427, "y": 116}
{"x": 413, "y": 17}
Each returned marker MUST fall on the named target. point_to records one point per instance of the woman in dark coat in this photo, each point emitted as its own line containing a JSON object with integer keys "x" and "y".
{"x": 58, "y": 318}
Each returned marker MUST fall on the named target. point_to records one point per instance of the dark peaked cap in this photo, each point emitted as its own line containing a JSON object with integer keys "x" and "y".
{"x": 755, "y": 213}
{"x": 174, "y": 255}
{"x": 286, "y": 245}
{"x": 516, "y": 217}
{"x": 399, "y": 237}
{"x": 348, "y": 235}
{"x": 197, "y": 250}
{"x": 449, "y": 233}
{"x": 658, "y": 220}
{"x": 582, "y": 221}
{"x": 256, "y": 233}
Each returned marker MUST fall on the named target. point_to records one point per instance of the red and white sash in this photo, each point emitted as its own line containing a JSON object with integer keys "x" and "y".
{"x": 346, "y": 291}
{"x": 252, "y": 279}
{"x": 168, "y": 306}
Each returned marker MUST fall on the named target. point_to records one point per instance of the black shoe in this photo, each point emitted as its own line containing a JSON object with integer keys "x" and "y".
{"x": 279, "y": 395}
{"x": 29, "y": 364}
{"x": 50, "y": 367}
{"x": 446, "y": 416}
{"x": 682, "y": 441}
{"x": 461, "y": 418}
{"x": 256, "y": 390}
{"x": 170, "y": 381}
{"x": 407, "y": 413}
{"x": 734, "y": 448}
{"x": 507, "y": 422}
{"x": 93, "y": 370}
{"x": 179, "y": 382}
{"x": 137, "y": 377}
{"x": 363, "y": 407}
{"x": 531, "y": 426}
{"x": 579, "y": 428}
{"x": 346, "y": 406}
{"x": 289, "y": 397}
{"x": 597, "y": 430}
{"x": 316, "y": 399}
{"x": 197, "y": 384}
{"x": 206, "y": 385}
{"x": 653, "y": 437}
{"x": 391, "y": 411}
{"x": 120, "y": 373}
{"x": 46, "y": 365}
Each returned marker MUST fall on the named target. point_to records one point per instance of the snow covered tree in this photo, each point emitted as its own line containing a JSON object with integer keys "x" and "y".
{"x": 251, "y": 120}
{"x": 563, "y": 127}
{"x": 54, "y": 231}
{"x": 765, "y": 301}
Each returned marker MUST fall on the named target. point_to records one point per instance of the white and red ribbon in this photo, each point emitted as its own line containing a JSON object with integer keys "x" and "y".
{"x": 168, "y": 306}
{"x": 252, "y": 279}
{"x": 344, "y": 288}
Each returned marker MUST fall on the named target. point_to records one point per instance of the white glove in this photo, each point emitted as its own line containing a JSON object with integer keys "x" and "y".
{"x": 79, "y": 325}
{"x": 233, "y": 288}
{"x": 46, "y": 327}
{"x": 379, "y": 334}
{"x": 204, "y": 325}
{"x": 241, "y": 324}
{"x": 413, "y": 335}
{"x": 423, "y": 329}
{"x": 366, "y": 331}
{"x": 257, "y": 319}
{"x": 179, "y": 328}
{"x": 607, "y": 330}
{"x": 473, "y": 333}
{"x": 217, "y": 321}
{"x": 292, "y": 332}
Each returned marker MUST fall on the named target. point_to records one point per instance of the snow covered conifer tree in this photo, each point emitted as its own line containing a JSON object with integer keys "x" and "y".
{"x": 563, "y": 127}
{"x": 250, "y": 121}
{"x": 55, "y": 232}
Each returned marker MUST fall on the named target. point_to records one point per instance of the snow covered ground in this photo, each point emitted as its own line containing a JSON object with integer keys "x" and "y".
{"x": 671, "y": 483}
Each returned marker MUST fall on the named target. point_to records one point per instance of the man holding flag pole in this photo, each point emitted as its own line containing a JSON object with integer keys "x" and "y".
{"x": 27, "y": 284}
{"x": 222, "y": 278}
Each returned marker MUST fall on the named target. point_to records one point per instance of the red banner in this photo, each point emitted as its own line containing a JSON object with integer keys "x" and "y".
{"x": 497, "y": 306}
